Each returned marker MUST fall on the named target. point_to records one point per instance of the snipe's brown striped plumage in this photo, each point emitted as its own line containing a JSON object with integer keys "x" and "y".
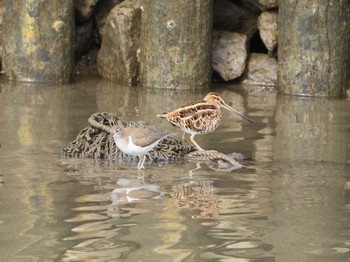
{"x": 199, "y": 117}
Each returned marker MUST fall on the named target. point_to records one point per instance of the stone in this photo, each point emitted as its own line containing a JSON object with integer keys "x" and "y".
{"x": 102, "y": 10}
{"x": 264, "y": 4}
{"x": 87, "y": 65}
{"x": 117, "y": 58}
{"x": 249, "y": 24}
{"x": 227, "y": 15}
{"x": 267, "y": 25}
{"x": 313, "y": 48}
{"x": 2, "y": 9}
{"x": 38, "y": 46}
{"x": 84, "y": 9}
{"x": 83, "y": 38}
{"x": 261, "y": 70}
{"x": 176, "y": 44}
{"x": 229, "y": 54}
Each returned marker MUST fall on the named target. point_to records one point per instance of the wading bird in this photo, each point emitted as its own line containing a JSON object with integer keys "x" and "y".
{"x": 199, "y": 117}
{"x": 137, "y": 141}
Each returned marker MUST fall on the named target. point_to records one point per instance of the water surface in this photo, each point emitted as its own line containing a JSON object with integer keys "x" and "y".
{"x": 290, "y": 203}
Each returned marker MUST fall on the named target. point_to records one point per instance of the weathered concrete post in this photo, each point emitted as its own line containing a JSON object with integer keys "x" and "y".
{"x": 38, "y": 40}
{"x": 176, "y": 43}
{"x": 314, "y": 49}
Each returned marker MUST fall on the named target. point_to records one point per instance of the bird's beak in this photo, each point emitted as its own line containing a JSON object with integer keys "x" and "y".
{"x": 238, "y": 113}
{"x": 162, "y": 115}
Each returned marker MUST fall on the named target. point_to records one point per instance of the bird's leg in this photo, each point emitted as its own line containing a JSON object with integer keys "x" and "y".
{"x": 141, "y": 162}
{"x": 183, "y": 136}
{"x": 194, "y": 142}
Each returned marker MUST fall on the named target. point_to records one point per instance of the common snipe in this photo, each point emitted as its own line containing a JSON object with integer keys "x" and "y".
{"x": 200, "y": 117}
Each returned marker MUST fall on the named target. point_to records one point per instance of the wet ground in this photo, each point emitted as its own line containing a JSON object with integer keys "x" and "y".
{"x": 290, "y": 203}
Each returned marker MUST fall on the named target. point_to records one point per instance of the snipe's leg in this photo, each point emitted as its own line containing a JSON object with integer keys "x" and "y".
{"x": 195, "y": 143}
{"x": 141, "y": 162}
{"x": 183, "y": 136}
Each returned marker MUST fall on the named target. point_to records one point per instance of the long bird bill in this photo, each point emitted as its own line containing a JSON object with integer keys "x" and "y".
{"x": 238, "y": 113}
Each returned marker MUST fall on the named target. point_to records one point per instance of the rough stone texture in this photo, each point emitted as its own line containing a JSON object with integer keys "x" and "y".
{"x": 176, "y": 42}
{"x": 313, "y": 48}
{"x": 265, "y": 4}
{"x": 84, "y": 9}
{"x": 267, "y": 25}
{"x": 227, "y": 15}
{"x": 249, "y": 23}
{"x": 102, "y": 10}
{"x": 117, "y": 59}
{"x": 261, "y": 70}
{"x": 229, "y": 54}
{"x": 2, "y": 9}
{"x": 39, "y": 39}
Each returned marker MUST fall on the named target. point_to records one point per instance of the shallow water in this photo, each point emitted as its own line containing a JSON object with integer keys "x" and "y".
{"x": 290, "y": 203}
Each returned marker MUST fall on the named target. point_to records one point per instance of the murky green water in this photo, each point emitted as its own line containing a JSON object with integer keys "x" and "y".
{"x": 292, "y": 203}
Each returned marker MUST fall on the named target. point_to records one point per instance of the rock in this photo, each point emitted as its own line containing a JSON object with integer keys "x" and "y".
{"x": 38, "y": 46}
{"x": 176, "y": 44}
{"x": 102, "y": 10}
{"x": 227, "y": 15}
{"x": 82, "y": 38}
{"x": 86, "y": 66}
{"x": 261, "y": 70}
{"x": 117, "y": 59}
{"x": 264, "y": 4}
{"x": 249, "y": 23}
{"x": 267, "y": 25}
{"x": 84, "y": 9}
{"x": 229, "y": 54}
{"x": 2, "y": 9}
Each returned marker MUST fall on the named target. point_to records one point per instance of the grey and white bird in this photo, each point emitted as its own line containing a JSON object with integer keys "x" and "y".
{"x": 137, "y": 141}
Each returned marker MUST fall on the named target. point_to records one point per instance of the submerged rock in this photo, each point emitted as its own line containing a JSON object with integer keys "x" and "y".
{"x": 216, "y": 160}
